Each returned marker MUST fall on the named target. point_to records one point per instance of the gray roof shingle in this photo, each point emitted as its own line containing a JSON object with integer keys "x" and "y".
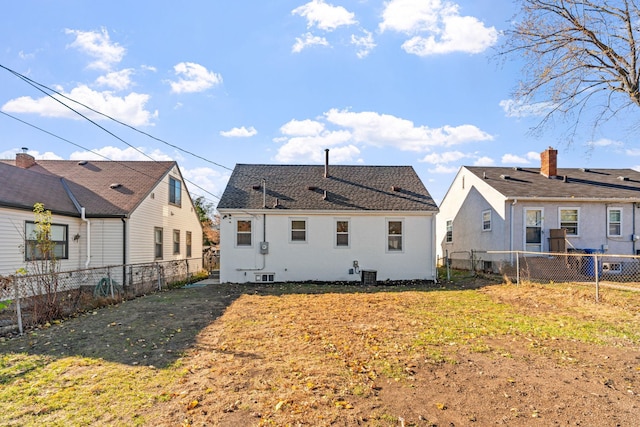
{"x": 89, "y": 182}
{"x": 571, "y": 183}
{"x": 349, "y": 188}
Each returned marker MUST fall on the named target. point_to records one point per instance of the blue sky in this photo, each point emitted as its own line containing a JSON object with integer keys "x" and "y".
{"x": 395, "y": 82}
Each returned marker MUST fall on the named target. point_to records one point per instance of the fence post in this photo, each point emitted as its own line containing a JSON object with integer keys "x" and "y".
{"x": 18, "y": 308}
{"x": 446, "y": 262}
{"x": 597, "y": 276}
{"x": 517, "y": 268}
{"x": 110, "y": 282}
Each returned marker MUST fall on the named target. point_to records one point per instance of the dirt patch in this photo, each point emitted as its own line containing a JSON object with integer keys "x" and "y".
{"x": 349, "y": 355}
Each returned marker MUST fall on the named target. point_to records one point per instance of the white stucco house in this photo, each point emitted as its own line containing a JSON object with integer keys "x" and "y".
{"x": 104, "y": 212}
{"x": 546, "y": 209}
{"x": 284, "y": 223}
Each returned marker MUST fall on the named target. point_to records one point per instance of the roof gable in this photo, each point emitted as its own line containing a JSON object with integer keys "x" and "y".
{"x": 304, "y": 187}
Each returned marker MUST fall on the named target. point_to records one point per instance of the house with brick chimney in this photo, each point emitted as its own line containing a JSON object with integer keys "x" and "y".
{"x": 103, "y": 212}
{"x": 545, "y": 209}
{"x": 283, "y": 223}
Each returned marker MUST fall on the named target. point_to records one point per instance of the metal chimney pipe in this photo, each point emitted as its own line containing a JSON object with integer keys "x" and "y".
{"x": 326, "y": 163}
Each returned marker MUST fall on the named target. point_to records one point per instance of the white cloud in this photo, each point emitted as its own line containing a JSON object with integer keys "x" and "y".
{"x": 241, "y": 132}
{"x": 308, "y": 40}
{"x": 302, "y": 128}
{"x": 605, "y": 142}
{"x": 211, "y": 180}
{"x": 512, "y": 158}
{"x": 47, "y": 155}
{"x": 532, "y": 155}
{"x": 98, "y": 45}
{"x": 446, "y": 157}
{"x": 346, "y": 132}
{"x": 116, "y": 153}
{"x": 436, "y": 27}
{"x": 632, "y": 151}
{"x": 444, "y": 169}
{"x": 193, "y": 78}
{"x": 380, "y": 130}
{"x": 324, "y": 16}
{"x": 519, "y": 109}
{"x": 484, "y": 161}
{"x": 118, "y": 80}
{"x": 365, "y": 44}
{"x": 129, "y": 109}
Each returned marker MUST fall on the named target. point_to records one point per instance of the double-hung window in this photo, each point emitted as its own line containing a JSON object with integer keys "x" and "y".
{"x": 243, "y": 232}
{"x": 570, "y": 220}
{"x": 298, "y": 230}
{"x": 486, "y": 220}
{"x": 53, "y": 245}
{"x": 614, "y": 222}
{"x": 176, "y": 242}
{"x": 342, "y": 233}
{"x": 175, "y": 191}
{"x": 449, "y": 231}
{"x": 394, "y": 235}
{"x": 157, "y": 238}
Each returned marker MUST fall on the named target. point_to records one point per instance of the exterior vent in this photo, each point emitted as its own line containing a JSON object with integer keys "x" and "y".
{"x": 312, "y": 188}
{"x": 324, "y": 196}
{"x": 517, "y": 168}
{"x": 623, "y": 178}
{"x": 395, "y": 188}
{"x": 277, "y": 203}
{"x": 82, "y": 162}
{"x": 565, "y": 178}
{"x": 484, "y": 175}
{"x": 504, "y": 177}
{"x": 256, "y": 187}
{"x": 585, "y": 169}
{"x": 115, "y": 185}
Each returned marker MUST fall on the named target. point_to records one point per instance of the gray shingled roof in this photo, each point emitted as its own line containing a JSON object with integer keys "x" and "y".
{"x": 302, "y": 187}
{"x": 90, "y": 184}
{"x": 579, "y": 183}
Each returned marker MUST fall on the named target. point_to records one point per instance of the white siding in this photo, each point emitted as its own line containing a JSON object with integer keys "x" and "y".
{"x": 155, "y": 211}
{"x": 319, "y": 258}
{"x": 12, "y": 225}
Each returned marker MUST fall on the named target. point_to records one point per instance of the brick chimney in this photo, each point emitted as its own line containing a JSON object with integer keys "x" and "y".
{"x": 24, "y": 160}
{"x": 549, "y": 162}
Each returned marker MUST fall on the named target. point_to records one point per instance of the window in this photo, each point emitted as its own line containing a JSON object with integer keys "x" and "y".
{"x": 57, "y": 236}
{"x": 243, "y": 232}
{"x": 394, "y": 235}
{"x": 486, "y": 220}
{"x": 265, "y": 277}
{"x": 175, "y": 191}
{"x": 158, "y": 242}
{"x": 188, "y": 243}
{"x": 614, "y": 219}
{"x": 449, "y": 236}
{"x": 176, "y": 242}
{"x": 342, "y": 233}
{"x": 569, "y": 220}
{"x": 298, "y": 230}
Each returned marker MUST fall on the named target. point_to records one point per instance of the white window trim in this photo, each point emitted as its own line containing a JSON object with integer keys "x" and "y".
{"x": 490, "y": 219}
{"x": 235, "y": 233}
{"x": 335, "y": 233}
{"x": 567, "y": 208}
{"x": 614, "y": 208}
{"x": 446, "y": 225}
{"x": 402, "y": 235}
{"x": 306, "y": 231}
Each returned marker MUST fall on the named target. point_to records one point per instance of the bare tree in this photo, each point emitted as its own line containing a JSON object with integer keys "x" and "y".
{"x": 581, "y": 58}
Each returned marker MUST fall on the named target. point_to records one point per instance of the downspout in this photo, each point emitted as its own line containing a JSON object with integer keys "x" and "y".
{"x": 124, "y": 251}
{"x": 434, "y": 258}
{"x": 84, "y": 218}
{"x": 511, "y": 230}
{"x": 633, "y": 236}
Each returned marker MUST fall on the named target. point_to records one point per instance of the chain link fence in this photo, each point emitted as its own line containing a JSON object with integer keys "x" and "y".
{"x": 32, "y": 300}
{"x": 583, "y": 266}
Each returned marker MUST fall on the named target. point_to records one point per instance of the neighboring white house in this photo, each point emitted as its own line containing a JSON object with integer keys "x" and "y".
{"x": 544, "y": 209}
{"x": 104, "y": 212}
{"x": 283, "y": 223}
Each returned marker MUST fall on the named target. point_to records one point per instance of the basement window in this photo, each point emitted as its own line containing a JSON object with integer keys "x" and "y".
{"x": 265, "y": 277}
